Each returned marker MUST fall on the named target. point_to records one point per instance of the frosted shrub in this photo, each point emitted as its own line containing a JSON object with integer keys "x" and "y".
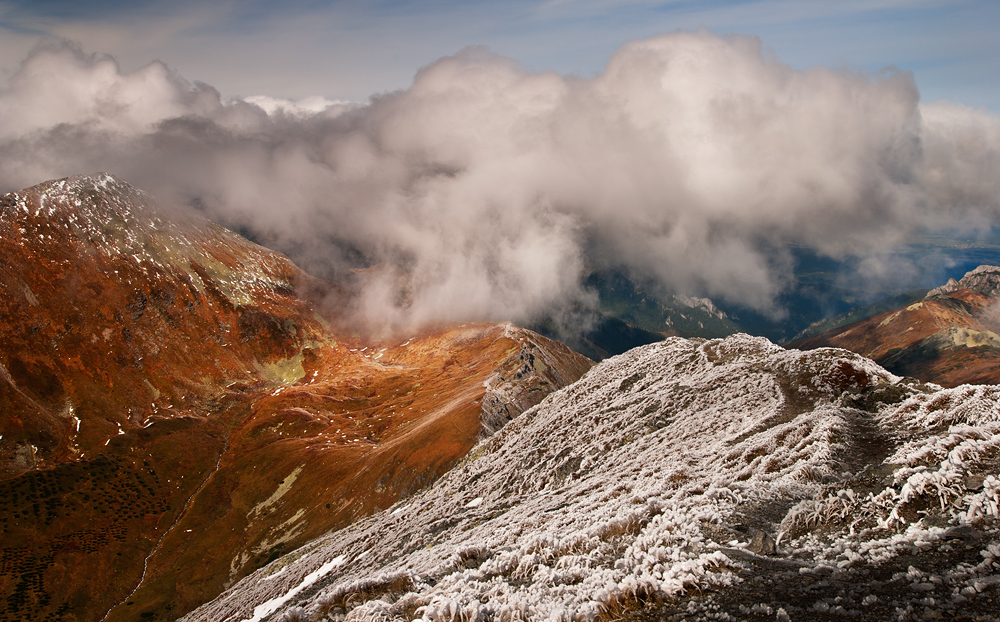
{"x": 811, "y": 513}
{"x": 295, "y": 614}
{"x": 371, "y": 611}
{"x": 945, "y": 484}
{"x": 985, "y": 503}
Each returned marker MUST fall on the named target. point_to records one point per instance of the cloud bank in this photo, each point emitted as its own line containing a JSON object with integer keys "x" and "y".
{"x": 485, "y": 191}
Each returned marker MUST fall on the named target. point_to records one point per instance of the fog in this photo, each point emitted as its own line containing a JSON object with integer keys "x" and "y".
{"x": 485, "y": 191}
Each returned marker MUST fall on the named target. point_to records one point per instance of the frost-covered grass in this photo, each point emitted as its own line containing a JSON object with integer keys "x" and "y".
{"x": 637, "y": 483}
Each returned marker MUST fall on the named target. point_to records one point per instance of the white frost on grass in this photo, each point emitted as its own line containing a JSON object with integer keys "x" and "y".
{"x": 629, "y": 483}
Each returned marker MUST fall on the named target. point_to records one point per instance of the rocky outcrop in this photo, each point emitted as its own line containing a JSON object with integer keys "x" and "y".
{"x": 985, "y": 279}
{"x": 526, "y": 379}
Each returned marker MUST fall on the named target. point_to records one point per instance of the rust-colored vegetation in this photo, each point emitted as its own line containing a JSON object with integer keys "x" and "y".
{"x": 948, "y": 339}
{"x": 174, "y": 414}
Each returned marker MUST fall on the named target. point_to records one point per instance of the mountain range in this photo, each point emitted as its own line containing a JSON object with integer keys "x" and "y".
{"x": 189, "y": 428}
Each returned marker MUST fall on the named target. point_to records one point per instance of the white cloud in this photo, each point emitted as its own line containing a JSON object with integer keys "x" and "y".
{"x": 307, "y": 106}
{"x": 484, "y": 191}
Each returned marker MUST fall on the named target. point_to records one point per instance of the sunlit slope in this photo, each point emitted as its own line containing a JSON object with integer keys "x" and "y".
{"x": 353, "y": 436}
{"x": 173, "y": 413}
{"x": 950, "y": 337}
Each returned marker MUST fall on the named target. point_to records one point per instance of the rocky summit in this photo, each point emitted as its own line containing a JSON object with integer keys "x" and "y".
{"x": 174, "y": 413}
{"x": 728, "y": 479}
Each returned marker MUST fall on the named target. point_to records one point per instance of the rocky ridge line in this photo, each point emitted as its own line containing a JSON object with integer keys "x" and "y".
{"x": 984, "y": 279}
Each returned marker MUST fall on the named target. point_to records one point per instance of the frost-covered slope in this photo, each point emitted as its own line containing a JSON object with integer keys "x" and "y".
{"x": 658, "y": 484}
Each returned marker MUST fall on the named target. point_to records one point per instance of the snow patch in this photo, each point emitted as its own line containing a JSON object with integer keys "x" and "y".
{"x": 269, "y": 607}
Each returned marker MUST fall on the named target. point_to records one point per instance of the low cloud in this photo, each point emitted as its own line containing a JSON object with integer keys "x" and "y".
{"x": 485, "y": 191}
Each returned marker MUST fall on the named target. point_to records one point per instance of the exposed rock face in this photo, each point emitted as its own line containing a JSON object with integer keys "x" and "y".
{"x": 173, "y": 414}
{"x": 527, "y": 379}
{"x": 985, "y": 279}
{"x": 689, "y": 479}
{"x": 950, "y": 338}
{"x": 947, "y": 288}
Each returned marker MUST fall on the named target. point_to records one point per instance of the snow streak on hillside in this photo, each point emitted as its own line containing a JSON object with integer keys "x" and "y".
{"x": 666, "y": 471}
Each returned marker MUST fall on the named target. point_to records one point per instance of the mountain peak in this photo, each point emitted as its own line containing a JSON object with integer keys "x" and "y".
{"x": 984, "y": 279}
{"x": 102, "y": 191}
{"x": 99, "y": 180}
{"x": 106, "y": 219}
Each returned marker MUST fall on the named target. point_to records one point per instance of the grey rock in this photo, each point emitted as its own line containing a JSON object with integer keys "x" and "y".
{"x": 974, "y": 482}
{"x": 762, "y": 544}
{"x": 962, "y": 532}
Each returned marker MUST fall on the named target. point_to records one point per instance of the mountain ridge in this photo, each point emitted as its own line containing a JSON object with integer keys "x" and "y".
{"x": 950, "y": 336}
{"x": 688, "y": 479}
{"x": 984, "y": 279}
{"x": 163, "y": 381}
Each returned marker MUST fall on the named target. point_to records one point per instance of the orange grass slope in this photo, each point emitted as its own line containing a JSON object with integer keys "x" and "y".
{"x": 173, "y": 413}
{"x": 948, "y": 338}
{"x": 120, "y": 329}
{"x": 359, "y": 431}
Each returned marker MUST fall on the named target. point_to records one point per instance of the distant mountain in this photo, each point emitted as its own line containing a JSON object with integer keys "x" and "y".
{"x": 950, "y": 337}
{"x": 859, "y": 313}
{"x": 820, "y": 298}
{"x": 668, "y": 315}
{"x": 628, "y": 315}
{"x": 174, "y": 413}
{"x": 727, "y": 479}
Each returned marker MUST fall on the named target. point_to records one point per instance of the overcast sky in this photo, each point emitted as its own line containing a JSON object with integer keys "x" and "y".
{"x": 352, "y": 50}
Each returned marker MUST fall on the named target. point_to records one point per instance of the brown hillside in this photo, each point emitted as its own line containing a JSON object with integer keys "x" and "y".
{"x": 173, "y": 414}
{"x": 949, "y": 339}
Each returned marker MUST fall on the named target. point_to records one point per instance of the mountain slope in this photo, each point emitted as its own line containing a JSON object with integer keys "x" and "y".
{"x": 119, "y": 331}
{"x": 658, "y": 485}
{"x": 856, "y": 314}
{"x": 114, "y": 316}
{"x": 351, "y": 437}
{"x": 173, "y": 413}
{"x": 950, "y": 337}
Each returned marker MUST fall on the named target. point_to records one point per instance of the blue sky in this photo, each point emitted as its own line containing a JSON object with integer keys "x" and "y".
{"x": 351, "y": 50}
